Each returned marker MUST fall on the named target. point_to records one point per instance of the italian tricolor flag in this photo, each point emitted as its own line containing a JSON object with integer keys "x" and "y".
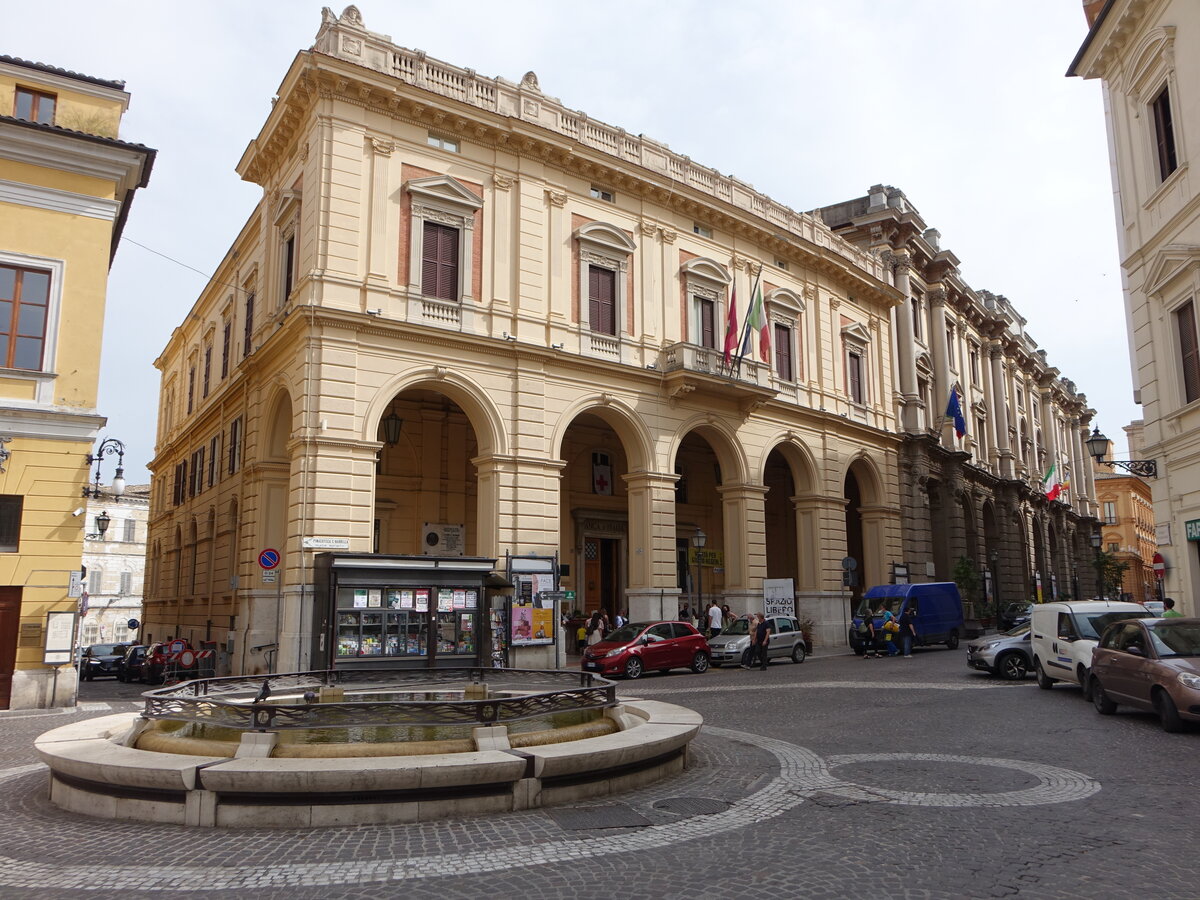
{"x": 1051, "y": 483}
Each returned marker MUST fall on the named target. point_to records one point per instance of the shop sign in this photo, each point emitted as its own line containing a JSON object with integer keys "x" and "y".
{"x": 1192, "y": 529}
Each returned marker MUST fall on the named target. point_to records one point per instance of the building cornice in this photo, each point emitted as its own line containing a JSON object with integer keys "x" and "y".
{"x": 361, "y": 67}
{"x": 127, "y": 166}
{"x": 58, "y": 201}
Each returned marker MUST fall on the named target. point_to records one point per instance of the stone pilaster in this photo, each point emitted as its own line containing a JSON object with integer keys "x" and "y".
{"x": 999, "y": 409}
{"x": 651, "y": 591}
{"x": 905, "y": 346}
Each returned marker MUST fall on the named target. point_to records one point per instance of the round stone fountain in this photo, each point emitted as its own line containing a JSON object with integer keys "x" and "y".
{"x": 357, "y": 747}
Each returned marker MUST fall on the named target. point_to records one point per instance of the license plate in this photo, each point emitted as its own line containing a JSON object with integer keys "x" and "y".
{"x": 591, "y": 665}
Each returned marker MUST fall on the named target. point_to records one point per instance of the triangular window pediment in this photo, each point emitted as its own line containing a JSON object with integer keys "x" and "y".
{"x": 1168, "y": 264}
{"x": 443, "y": 189}
{"x": 857, "y": 333}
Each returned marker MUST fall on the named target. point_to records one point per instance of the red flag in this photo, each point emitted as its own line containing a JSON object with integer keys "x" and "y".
{"x": 731, "y": 326}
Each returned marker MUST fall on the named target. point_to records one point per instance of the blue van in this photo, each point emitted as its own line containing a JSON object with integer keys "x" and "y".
{"x": 938, "y": 605}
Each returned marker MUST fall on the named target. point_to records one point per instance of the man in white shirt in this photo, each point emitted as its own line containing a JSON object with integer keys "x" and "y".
{"x": 714, "y": 619}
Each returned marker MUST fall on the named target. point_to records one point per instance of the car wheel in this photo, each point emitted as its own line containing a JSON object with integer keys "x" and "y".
{"x": 798, "y": 653}
{"x": 1085, "y": 682}
{"x": 634, "y": 668}
{"x": 700, "y": 662}
{"x": 1044, "y": 681}
{"x": 1012, "y": 666}
{"x": 952, "y": 641}
{"x": 1168, "y": 715}
{"x": 1100, "y": 699}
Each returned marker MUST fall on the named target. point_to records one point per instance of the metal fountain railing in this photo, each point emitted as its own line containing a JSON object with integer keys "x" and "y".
{"x": 244, "y": 702}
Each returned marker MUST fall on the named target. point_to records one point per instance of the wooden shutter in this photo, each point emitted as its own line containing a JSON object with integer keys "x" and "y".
{"x": 708, "y": 336}
{"x": 1164, "y": 134}
{"x": 439, "y": 261}
{"x": 783, "y": 352}
{"x": 854, "y": 372}
{"x": 602, "y": 300}
{"x": 1189, "y": 351}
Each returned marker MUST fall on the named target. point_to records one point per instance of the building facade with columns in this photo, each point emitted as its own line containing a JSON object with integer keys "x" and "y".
{"x": 1147, "y": 54}
{"x": 981, "y": 497}
{"x": 464, "y": 312}
{"x": 66, "y": 184}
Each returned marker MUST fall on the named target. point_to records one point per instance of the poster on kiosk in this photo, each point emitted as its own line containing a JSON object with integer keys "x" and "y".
{"x": 533, "y": 612}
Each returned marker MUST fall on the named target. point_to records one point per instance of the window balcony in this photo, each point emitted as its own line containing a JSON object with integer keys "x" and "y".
{"x": 690, "y": 367}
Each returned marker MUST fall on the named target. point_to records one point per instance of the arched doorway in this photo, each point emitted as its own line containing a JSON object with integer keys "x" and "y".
{"x": 426, "y": 485}
{"x": 595, "y": 514}
{"x": 855, "y": 543}
{"x": 701, "y": 573}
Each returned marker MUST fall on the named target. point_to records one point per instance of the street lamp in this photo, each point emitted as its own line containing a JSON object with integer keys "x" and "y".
{"x": 391, "y": 428}
{"x": 102, "y": 521}
{"x": 994, "y": 559}
{"x": 699, "y": 539}
{"x": 1097, "y": 445}
{"x": 1099, "y": 568}
{"x": 107, "y": 447}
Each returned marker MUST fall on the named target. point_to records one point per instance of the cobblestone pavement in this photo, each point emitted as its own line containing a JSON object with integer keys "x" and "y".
{"x": 839, "y": 778}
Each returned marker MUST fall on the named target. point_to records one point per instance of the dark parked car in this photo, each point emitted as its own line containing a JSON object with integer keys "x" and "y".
{"x": 101, "y": 660}
{"x": 1013, "y": 615}
{"x": 130, "y": 668}
{"x": 1150, "y": 664}
{"x": 638, "y": 646}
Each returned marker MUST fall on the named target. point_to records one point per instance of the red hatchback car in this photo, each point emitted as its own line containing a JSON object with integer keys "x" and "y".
{"x": 638, "y": 646}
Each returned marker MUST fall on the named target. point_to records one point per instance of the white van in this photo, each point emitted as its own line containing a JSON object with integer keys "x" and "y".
{"x": 1065, "y": 633}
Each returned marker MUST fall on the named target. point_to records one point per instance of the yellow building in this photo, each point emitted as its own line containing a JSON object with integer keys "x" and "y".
{"x": 66, "y": 181}
{"x": 464, "y": 313}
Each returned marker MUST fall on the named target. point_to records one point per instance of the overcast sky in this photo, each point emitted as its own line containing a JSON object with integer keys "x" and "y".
{"x": 962, "y": 104}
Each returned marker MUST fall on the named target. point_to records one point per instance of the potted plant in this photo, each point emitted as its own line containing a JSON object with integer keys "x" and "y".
{"x": 966, "y": 576}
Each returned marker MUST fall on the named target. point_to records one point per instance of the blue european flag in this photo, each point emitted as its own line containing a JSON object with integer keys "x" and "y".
{"x": 954, "y": 411}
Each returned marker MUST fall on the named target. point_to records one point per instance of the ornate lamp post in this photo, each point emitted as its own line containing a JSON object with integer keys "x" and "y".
{"x": 994, "y": 563}
{"x": 699, "y": 539}
{"x": 1099, "y": 566}
{"x": 102, "y": 521}
{"x": 107, "y": 447}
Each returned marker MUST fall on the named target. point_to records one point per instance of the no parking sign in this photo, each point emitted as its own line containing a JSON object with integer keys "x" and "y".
{"x": 269, "y": 558}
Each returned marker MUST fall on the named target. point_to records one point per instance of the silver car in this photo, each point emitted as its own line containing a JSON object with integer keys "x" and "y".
{"x": 787, "y": 641}
{"x": 1008, "y": 654}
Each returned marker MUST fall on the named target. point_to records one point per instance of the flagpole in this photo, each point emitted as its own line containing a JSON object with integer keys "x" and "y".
{"x": 746, "y": 326}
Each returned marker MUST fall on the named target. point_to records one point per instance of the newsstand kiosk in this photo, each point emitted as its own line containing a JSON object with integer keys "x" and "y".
{"x": 400, "y": 612}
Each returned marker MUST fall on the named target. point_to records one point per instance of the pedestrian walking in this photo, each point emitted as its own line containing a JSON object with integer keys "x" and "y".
{"x": 908, "y": 630}
{"x": 595, "y": 628}
{"x": 1169, "y": 610}
{"x": 762, "y": 639}
{"x": 715, "y": 618}
{"x": 866, "y": 633}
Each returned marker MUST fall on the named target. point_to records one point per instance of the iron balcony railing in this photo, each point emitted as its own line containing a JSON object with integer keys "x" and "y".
{"x": 289, "y": 701}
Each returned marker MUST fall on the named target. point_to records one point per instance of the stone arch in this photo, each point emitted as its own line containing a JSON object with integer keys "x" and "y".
{"x": 800, "y": 460}
{"x": 864, "y": 467}
{"x": 618, "y": 415}
{"x": 724, "y": 442}
{"x": 474, "y": 401}
{"x": 280, "y": 425}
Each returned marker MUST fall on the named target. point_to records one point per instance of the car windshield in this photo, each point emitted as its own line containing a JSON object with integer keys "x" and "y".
{"x": 1092, "y": 626}
{"x": 880, "y": 605}
{"x": 736, "y": 627}
{"x": 103, "y": 649}
{"x": 1020, "y": 630}
{"x": 1175, "y": 640}
{"x": 626, "y": 633}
